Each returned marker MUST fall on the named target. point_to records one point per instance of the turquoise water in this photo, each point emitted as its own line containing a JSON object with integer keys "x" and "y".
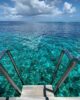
{"x": 34, "y": 47}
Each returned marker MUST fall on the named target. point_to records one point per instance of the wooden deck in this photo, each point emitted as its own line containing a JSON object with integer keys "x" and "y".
{"x": 36, "y": 92}
{"x": 29, "y": 98}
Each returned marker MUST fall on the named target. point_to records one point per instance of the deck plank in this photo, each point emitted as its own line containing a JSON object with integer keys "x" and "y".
{"x": 35, "y": 91}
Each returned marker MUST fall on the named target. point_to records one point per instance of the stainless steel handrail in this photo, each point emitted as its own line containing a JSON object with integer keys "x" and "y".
{"x": 69, "y": 55}
{"x": 71, "y": 65}
{"x": 5, "y": 73}
{"x": 13, "y": 62}
{"x": 2, "y": 54}
{"x": 57, "y": 66}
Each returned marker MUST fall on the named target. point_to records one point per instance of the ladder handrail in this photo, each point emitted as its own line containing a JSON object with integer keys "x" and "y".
{"x": 57, "y": 66}
{"x": 5, "y": 73}
{"x": 68, "y": 54}
{"x": 72, "y": 63}
{"x": 2, "y": 54}
{"x": 13, "y": 62}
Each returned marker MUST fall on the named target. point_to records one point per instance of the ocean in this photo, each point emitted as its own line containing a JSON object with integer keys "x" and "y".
{"x": 34, "y": 46}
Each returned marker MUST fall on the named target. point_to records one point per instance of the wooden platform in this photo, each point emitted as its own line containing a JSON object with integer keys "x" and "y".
{"x": 55, "y": 98}
{"x": 36, "y": 92}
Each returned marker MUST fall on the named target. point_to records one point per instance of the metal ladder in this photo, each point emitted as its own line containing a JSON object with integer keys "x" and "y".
{"x": 73, "y": 62}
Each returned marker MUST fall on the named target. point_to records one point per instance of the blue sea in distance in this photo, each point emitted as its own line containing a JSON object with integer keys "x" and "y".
{"x": 34, "y": 46}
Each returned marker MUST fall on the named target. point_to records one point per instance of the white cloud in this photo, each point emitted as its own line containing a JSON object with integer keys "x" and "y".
{"x": 23, "y": 8}
{"x": 35, "y": 7}
{"x": 68, "y": 8}
{"x": 32, "y": 7}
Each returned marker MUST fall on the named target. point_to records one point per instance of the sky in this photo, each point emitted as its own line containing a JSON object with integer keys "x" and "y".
{"x": 40, "y": 10}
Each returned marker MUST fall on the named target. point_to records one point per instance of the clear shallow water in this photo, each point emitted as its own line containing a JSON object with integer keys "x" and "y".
{"x": 34, "y": 46}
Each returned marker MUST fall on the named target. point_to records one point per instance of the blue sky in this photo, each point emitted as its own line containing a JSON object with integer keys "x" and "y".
{"x": 40, "y": 10}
